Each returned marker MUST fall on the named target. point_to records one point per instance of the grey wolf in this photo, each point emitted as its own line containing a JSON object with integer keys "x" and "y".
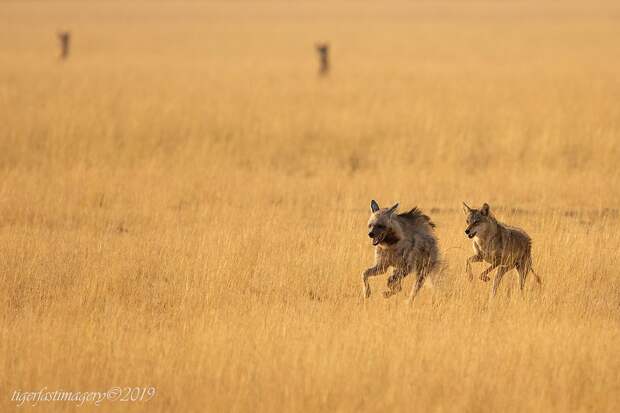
{"x": 502, "y": 246}
{"x": 406, "y": 242}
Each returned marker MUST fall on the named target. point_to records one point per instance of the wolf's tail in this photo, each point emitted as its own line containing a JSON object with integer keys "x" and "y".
{"x": 530, "y": 268}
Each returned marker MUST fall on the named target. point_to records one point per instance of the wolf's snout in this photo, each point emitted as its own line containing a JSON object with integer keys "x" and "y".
{"x": 371, "y": 234}
{"x": 467, "y": 231}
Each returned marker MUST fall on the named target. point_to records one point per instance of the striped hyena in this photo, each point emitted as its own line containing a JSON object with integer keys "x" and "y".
{"x": 406, "y": 242}
{"x": 502, "y": 246}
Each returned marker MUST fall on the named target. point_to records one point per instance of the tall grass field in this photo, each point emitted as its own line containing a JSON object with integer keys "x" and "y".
{"x": 184, "y": 200}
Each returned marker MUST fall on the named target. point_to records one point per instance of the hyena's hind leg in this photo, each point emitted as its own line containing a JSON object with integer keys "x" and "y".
{"x": 419, "y": 282}
{"x": 425, "y": 267}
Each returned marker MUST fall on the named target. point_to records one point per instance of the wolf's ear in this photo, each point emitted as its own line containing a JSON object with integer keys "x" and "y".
{"x": 374, "y": 207}
{"x": 485, "y": 209}
{"x": 466, "y": 208}
{"x": 392, "y": 209}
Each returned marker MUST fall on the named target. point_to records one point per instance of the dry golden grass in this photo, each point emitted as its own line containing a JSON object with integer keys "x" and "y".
{"x": 183, "y": 203}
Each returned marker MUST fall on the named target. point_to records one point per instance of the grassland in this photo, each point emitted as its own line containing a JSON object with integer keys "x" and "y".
{"x": 183, "y": 203}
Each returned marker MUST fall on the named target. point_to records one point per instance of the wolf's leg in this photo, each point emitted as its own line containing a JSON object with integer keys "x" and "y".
{"x": 470, "y": 260}
{"x": 419, "y": 282}
{"x": 484, "y": 276}
{"x": 371, "y": 272}
{"x": 522, "y": 270}
{"x": 498, "y": 278}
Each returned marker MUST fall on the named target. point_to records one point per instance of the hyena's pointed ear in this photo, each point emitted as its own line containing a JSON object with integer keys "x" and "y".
{"x": 374, "y": 207}
{"x": 392, "y": 209}
{"x": 466, "y": 208}
{"x": 485, "y": 209}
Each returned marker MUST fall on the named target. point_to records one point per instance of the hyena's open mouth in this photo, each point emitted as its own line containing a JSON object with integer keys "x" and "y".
{"x": 376, "y": 240}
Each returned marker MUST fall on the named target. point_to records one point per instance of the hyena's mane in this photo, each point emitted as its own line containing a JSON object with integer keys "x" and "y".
{"x": 416, "y": 215}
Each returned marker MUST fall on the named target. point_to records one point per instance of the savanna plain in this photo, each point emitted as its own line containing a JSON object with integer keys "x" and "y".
{"x": 183, "y": 203}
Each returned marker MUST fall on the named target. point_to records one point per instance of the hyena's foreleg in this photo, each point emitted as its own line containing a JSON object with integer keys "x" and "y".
{"x": 484, "y": 276}
{"x": 503, "y": 269}
{"x": 470, "y": 260}
{"x": 395, "y": 282}
{"x": 371, "y": 272}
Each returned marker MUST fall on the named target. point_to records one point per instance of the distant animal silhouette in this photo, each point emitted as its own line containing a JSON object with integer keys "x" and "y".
{"x": 65, "y": 44}
{"x": 323, "y": 50}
